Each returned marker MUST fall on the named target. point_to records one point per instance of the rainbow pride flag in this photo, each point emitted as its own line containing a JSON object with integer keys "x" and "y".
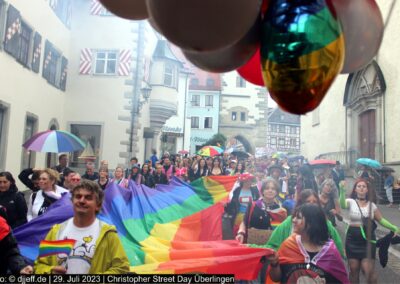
{"x": 175, "y": 228}
{"x": 47, "y": 248}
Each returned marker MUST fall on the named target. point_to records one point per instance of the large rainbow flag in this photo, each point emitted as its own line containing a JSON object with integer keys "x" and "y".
{"x": 174, "y": 228}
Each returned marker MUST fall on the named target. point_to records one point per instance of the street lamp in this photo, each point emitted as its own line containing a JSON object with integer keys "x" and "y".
{"x": 146, "y": 91}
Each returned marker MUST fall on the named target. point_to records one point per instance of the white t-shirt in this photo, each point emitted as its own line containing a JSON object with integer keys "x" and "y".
{"x": 354, "y": 212}
{"x": 80, "y": 258}
{"x": 33, "y": 209}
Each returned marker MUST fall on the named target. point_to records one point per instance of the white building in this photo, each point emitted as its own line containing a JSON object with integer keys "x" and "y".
{"x": 71, "y": 65}
{"x": 359, "y": 116}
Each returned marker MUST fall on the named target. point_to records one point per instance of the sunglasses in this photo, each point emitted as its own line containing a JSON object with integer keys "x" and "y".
{"x": 75, "y": 179}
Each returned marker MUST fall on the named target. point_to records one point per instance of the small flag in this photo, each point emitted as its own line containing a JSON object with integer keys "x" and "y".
{"x": 47, "y": 248}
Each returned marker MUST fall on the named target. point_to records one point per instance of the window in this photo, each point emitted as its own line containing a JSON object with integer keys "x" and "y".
{"x": 273, "y": 141}
{"x": 169, "y": 72}
{"x": 234, "y": 115}
{"x": 63, "y": 10}
{"x": 195, "y": 100}
{"x": 281, "y": 141}
{"x": 209, "y": 100}
{"x": 194, "y": 82}
{"x": 293, "y": 142}
{"x": 210, "y": 82}
{"x": 242, "y": 116}
{"x": 208, "y": 122}
{"x": 106, "y": 62}
{"x": 90, "y": 134}
{"x": 273, "y": 128}
{"x": 24, "y": 44}
{"x": 240, "y": 82}
{"x": 194, "y": 122}
{"x": 315, "y": 117}
{"x": 51, "y": 64}
{"x": 3, "y": 134}
{"x": 293, "y": 130}
{"x": 2, "y": 19}
{"x": 28, "y": 157}
{"x": 281, "y": 128}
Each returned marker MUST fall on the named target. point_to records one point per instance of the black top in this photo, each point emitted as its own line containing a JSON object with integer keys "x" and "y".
{"x": 15, "y": 205}
{"x": 260, "y": 218}
{"x": 292, "y": 273}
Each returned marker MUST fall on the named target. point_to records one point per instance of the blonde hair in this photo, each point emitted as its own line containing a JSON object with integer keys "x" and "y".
{"x": 53, "y": 175}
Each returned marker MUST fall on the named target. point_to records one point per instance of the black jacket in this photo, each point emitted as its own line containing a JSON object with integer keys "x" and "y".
{"x": 148, "y": 180}
{"x": 10, "y": 257}
{"x": 232, "y": 208}
{"x": 160, "y": 179}
{"x": 15, "y": 205}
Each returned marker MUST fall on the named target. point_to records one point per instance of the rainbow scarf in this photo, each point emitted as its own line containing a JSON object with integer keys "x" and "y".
{"x": 174, "y": 228}
{"x": 328, "y": 259}
{"x": 47, "y": 248}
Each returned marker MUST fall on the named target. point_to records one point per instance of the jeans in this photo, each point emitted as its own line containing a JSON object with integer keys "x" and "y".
{"x": 389, "y": 193}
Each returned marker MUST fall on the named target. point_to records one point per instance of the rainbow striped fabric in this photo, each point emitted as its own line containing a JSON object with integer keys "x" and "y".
{"x": 175, "y": 228}
{"x": 47, "y": 248}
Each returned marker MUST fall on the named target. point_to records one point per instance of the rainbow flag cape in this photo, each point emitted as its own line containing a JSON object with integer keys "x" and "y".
{"x": 174, "y": 228}
{"x": 47, "y": 248}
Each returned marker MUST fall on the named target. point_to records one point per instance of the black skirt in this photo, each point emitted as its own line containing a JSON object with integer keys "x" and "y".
{"x": 356, "y": 245}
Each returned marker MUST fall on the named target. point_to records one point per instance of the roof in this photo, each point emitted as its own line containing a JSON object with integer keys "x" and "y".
{"x": 279, "y": 116}
{"x": 163, "y": 51}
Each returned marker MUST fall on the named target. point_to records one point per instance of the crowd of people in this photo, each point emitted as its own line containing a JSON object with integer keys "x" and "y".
{"x": 277, "y": 202}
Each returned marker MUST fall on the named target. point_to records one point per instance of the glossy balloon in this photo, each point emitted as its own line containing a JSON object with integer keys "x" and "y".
{"x": 251, "y": 71}
{"x": 128, "y": 9}
{"x": 363, "y": 27}
{"x": 229, "y": 58}
{"x": 302, "y": 52}
{"x": 204, "y": 25}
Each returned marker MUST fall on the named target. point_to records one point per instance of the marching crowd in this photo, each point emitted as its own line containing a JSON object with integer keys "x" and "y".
{"x": 277, "y": 202}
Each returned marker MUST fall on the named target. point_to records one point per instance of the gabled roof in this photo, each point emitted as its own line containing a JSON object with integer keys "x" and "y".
{"x": 279, "y": 116}
{"x": 163, "y": 51}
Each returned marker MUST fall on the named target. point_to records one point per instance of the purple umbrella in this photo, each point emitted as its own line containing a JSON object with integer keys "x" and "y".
{"x": 54, "y": 141}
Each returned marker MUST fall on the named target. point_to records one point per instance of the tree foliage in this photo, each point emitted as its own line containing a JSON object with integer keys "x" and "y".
{"x": 217, "y": 139}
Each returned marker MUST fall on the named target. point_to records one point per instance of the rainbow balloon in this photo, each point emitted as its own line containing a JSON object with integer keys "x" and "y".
{"x": 302, "y": 52}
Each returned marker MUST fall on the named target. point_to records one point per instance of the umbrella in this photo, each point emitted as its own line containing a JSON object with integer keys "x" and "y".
{"x": 386, "y": 169}
{"x": 210, "y": 151}
{"x": 369, "y": 163}
{"x": 183, "y": 152}
{"x": 322, "y": 163}
{"x": 240, "y": 154}
{"x": 54, "y": 141}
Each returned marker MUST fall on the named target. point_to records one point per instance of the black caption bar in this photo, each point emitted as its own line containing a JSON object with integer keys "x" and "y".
{"x": 120, "y": 278}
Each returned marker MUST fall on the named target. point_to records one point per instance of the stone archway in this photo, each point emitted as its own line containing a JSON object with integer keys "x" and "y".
{"x": 364, "y": 102}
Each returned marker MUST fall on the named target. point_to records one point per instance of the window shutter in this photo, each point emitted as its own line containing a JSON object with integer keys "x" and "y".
{"x": 48, "y": 53}
{"x": 124, "y": 63}
{"x": 13, "y": 30}
{"x": 85, "y": 66}
{"x": 96, "y": 8}
{"x": 37, "y": 50}
{"x": 64, "y": 70}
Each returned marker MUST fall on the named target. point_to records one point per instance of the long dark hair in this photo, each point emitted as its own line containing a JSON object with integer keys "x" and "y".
{"x": 315, "y": 227}
{"x": 304, "y": 195}
{"x": 371, "y": 196}
{"x": 10, "y": 178}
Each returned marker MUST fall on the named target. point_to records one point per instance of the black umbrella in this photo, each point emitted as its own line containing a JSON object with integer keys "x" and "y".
{"x": 386, "y": 169}
{"x": 240, "y": 154}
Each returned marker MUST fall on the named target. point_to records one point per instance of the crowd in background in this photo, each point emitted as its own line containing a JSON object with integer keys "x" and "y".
{"x": 273, "y": 197}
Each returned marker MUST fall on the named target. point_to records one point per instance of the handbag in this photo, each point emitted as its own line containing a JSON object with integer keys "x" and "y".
{"x": 366, "y": 221}
{"x": 256, "y": 236}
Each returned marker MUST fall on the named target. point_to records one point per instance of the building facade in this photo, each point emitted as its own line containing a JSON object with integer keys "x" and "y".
{"x": 65, "y": 67}
{"x": 204, "y": 93}
{"x": 283, "y": 132}
{"x": 359, "y": 116}
{"x": 243, "y": 113}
